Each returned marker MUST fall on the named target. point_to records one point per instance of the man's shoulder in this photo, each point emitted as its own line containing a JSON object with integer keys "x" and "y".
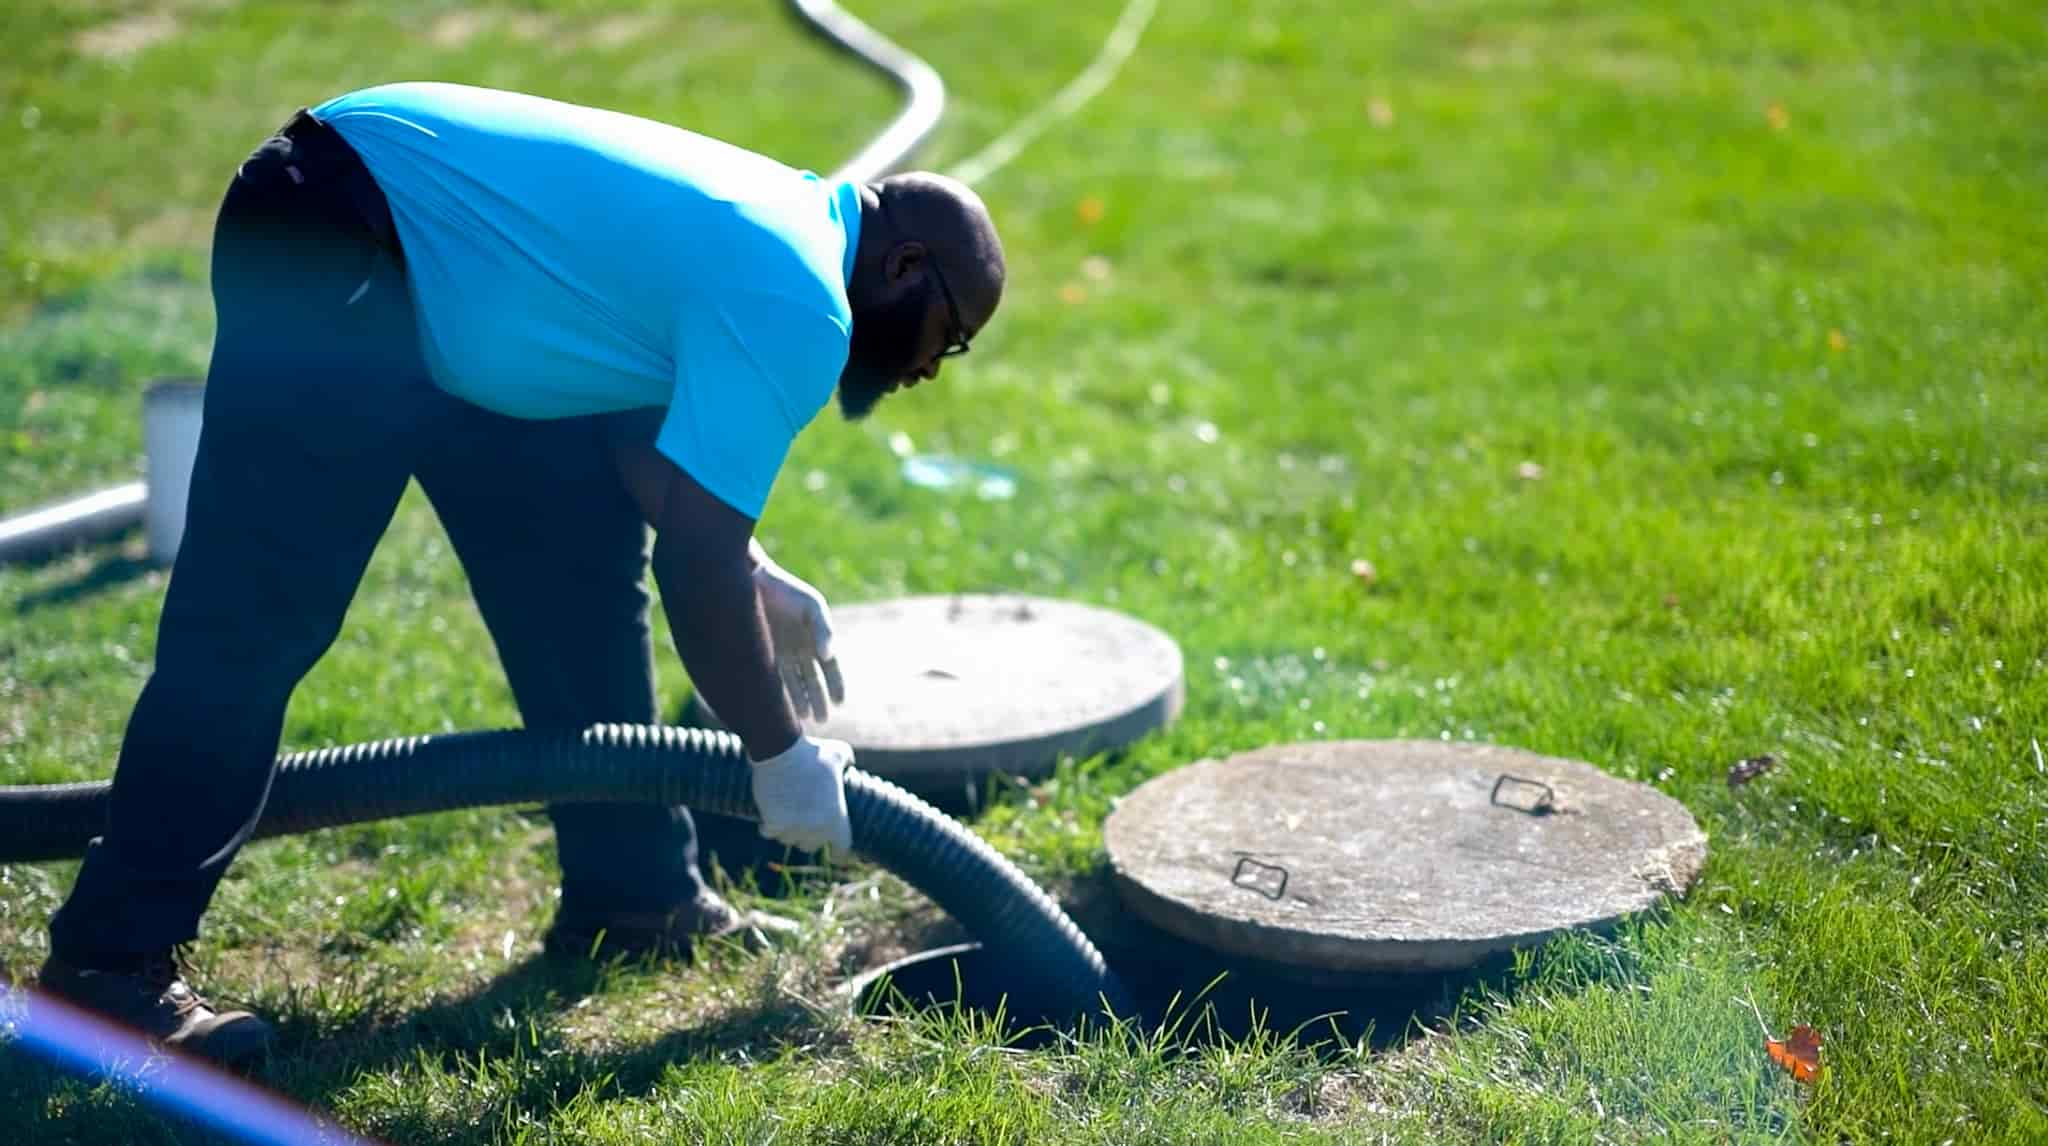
{"x": 417, "y": 95}
{"x": 787, "y": 253}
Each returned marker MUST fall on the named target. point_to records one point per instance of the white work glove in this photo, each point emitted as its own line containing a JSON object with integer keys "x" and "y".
{"x": 802, "y": 794}
{"x": 800, "y": 625}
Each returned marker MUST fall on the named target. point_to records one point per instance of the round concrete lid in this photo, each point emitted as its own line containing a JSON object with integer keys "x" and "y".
{"x": 940, "y": 689}
{"x": 1393, "y": 855}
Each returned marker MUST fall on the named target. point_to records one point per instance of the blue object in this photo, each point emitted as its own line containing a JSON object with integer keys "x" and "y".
{"x": 567, "y": 260}
{"x": 83, "y": 1043}
{"x": 940, "y": 471}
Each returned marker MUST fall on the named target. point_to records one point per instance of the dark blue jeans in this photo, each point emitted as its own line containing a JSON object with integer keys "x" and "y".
{"x": 319, "y": 409}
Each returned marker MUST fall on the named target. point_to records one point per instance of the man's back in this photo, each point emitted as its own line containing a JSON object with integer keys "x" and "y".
{"x": 568, "y": 260}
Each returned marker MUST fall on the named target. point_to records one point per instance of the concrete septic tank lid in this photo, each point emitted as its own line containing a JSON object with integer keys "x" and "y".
{"x": 1379, "y": 856}
{"x": 945, "y": 688}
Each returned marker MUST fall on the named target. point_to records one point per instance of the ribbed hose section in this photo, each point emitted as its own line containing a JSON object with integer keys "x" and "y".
{"x": 1058, "y": 972}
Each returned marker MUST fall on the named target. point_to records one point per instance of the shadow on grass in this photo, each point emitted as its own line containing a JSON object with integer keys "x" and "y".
{"x": 501, "y": 1058}
{"x": 116, "y": 570}
{"x": 506, "y": 1043}
{"x": 472, "y": 1066}
{"x": 1194, "y": 998}
{"x": 1208, "y": 998}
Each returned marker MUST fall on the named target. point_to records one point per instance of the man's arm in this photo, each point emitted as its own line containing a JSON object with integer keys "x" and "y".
{"x": 704, "y": 564}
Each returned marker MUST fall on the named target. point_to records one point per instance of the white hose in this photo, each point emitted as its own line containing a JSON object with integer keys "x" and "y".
{"x": 1116, "y": 51}
{"x": 925, "y": 92}
{"x": 94, "y": 517}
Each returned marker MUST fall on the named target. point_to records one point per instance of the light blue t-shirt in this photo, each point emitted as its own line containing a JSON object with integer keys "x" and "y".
{"x": 566, "y": 260}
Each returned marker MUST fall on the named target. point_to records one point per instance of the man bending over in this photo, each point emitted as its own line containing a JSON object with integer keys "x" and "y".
{"x": 568, "y": 325}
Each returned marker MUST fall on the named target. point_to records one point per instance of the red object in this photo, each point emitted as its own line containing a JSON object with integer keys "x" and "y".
{"x": 1798, "y": 1053}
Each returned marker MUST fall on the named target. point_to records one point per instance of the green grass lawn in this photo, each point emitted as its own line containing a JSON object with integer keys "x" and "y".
{"x": 1756, "y": 290}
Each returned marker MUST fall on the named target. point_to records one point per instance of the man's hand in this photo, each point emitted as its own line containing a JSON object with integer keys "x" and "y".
{"x": 802, "y": 794}
{"x": 800, "y": 626}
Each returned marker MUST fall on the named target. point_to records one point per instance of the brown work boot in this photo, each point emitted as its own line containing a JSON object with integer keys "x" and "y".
{"x": 671, "y": 934}
{"x": 148, "y": 994}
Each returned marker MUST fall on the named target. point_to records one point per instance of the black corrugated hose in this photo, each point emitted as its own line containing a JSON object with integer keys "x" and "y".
{"x": 1058, "y": 972}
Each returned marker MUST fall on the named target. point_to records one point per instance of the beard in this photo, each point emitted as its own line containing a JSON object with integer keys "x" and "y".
{"x": 881, "y": 353}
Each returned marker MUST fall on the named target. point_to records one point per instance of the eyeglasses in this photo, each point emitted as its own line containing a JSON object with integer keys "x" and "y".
{"x": 956, "y": 332}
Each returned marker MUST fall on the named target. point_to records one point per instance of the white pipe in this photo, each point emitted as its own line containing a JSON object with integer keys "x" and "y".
{"x": 924, "y": 91}
{"x": 170, "y": 440}
{"x": 170, "y": 443}
{"x": 53, "y": 528}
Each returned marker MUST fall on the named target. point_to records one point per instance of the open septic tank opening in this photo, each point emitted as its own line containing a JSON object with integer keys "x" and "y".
{"x": 1341, "y": 886}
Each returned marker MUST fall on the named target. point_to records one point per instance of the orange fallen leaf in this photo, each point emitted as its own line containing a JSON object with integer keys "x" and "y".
{"x": 1089, "y": 210}
{"x": 1073, "y": 294}
{"x": 1798, "y": 1052}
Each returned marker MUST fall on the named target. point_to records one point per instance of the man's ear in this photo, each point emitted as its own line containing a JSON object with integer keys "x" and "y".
{"x": 903, "y": 260}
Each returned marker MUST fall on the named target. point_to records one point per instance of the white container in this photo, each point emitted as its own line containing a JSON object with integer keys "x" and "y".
{"x": 170, "y": 442}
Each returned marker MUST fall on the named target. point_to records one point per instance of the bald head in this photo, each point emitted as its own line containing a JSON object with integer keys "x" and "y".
{"x": 949, "y": 218}
{"x": 928, "y": 275}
